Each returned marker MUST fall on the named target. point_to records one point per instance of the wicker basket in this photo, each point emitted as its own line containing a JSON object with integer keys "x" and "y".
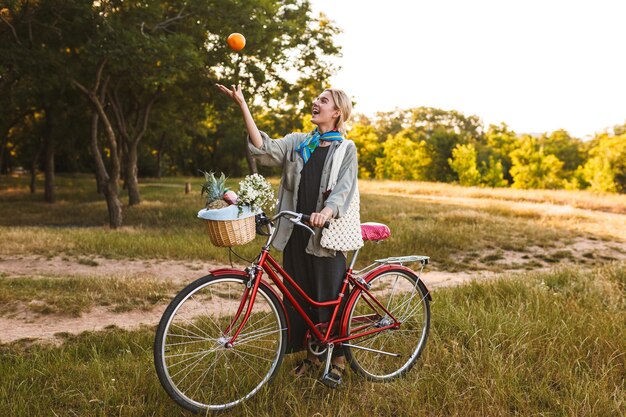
{"x": 227, "y": 233}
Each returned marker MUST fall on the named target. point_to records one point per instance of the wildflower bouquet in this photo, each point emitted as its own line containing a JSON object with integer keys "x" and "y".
{"x": 255, "y": 192}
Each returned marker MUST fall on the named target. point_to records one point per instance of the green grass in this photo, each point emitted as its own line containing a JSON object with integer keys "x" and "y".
{"x": 604, "y": 202}
{"x": 548, "y": 344}
{"x": 72, "y": 296}
{"x": 165, "y": 225}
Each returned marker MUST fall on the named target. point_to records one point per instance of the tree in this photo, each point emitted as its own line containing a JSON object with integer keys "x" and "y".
{"x": 492, "y": 173}
{"x": 463, "y": 162}
{"x": 368, "y": 145}
{"x": 405, "y": 157}
{"x": 532, "y": 168}
{"x": 500, "y": 142}
{"x": 441, "y": 131}
{"x": 107, "y": 178}
{"x": 565, "y": 147}
{"x": 605, "y": 170}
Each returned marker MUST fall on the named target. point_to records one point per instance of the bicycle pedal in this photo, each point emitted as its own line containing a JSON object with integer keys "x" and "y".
{"x": 329, "y": 381}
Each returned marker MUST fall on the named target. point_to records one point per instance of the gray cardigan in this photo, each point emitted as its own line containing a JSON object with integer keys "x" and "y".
{"x": 282, "y": 152}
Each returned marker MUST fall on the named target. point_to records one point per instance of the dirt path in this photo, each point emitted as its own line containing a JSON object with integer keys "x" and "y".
{"x": 175, "y": 271}
{"x": 45, "y": 327}
{"x": 26, "y": 324}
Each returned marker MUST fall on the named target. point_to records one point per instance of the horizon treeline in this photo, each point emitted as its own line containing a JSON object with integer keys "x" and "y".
{"x": 429, "y": 144}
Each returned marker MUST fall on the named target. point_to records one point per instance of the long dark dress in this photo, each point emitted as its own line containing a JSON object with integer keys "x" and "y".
{"x": 319, "y": 277}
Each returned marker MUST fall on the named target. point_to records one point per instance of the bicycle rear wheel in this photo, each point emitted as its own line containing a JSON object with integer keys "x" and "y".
{"x": 389, "y": 353}
{"x": 194, "y": 364}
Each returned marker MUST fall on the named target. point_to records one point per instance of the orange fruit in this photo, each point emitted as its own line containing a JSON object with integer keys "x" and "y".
{"x": 236, "y": 41}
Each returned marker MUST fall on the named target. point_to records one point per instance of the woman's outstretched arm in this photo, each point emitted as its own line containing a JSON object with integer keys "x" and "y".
{"x": 237, "y": 95}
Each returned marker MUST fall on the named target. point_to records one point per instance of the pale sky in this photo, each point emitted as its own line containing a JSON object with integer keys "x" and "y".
{"x": 536, "y": 65}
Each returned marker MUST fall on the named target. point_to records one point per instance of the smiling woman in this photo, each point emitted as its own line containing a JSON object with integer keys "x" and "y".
{"x": 307, "y": 187}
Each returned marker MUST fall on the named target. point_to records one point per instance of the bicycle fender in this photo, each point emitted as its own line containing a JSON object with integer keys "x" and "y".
{"x": 228, "y": 271}
{"x": 367, "y": 278}
{"x": 385, "y": 268}
{"x": 243, "y": 274}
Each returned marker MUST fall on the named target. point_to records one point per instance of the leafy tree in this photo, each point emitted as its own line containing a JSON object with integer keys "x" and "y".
{"x": 441, "y": 130}
{"x": 565, "y": 147}
{"x": 405, "y": 157}
{"x": 619, "y": 130}
{"x": 605, "y": 170}
{"x": 463, "y": 162}
{"x": 492, "y": 173}
{"x": 532, "y": 168}
{"x": 36, "y": 39}
{"x": 500, "y": 141}
{"x": 369, "y": 146}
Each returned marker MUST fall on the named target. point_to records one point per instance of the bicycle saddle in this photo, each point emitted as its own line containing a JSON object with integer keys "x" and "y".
{"x": 375, "y": 231}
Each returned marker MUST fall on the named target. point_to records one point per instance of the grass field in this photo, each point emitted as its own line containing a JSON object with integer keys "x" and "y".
{"x": 544, "y": 338}
{"x": 457, "y": 232}
{"x": 548, "y": 344}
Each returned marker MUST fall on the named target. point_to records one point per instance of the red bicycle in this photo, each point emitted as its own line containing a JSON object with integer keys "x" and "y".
{"x": 224, "y": 336}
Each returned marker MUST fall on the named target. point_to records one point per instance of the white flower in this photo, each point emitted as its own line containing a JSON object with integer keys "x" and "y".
{"x": 256, "y": 192}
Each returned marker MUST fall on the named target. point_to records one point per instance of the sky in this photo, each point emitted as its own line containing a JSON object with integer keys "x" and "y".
{"x": 536, "y": 65}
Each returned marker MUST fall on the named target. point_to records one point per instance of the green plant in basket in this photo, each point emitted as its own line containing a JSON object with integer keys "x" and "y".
{"x": 217, "y": 194}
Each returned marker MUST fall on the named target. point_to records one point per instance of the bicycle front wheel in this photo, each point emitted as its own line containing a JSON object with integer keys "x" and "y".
{"x": 390, "y": 353}
{"x": 194, "y": 363}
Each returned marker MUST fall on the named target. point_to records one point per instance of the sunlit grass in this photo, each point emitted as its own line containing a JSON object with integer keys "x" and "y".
{"x": 533, "y": 344}
{"x": 72, "y": 296}
{"x": 614, "y": 203}
{"x": 164, "y": 225}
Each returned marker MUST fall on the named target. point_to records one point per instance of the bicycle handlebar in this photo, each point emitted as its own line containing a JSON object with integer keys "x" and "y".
{"x": 297, "y": 218}
{"x": 306, "y": 218}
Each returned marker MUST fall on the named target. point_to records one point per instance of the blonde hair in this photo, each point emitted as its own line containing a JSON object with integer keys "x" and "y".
{"x": 344, "y": 105}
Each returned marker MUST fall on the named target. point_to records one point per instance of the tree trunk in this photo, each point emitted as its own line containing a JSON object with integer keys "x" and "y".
{"x": 33, "y": 177}
{"x": 158, "y": 170}
{"x": 159, "y": 153}
{"x": 130, "y": 135}
{"x": 108, "y": 184}
{"x": 124, "y": 163}
{"x": 131, "y": 175}
{"x": 33, "y": 170}
{"x": 250, "y": 158}
{"x": 109, "y": 180}
{"x": 98, "y": 184}
{"x": 49, "y": 192}
{"x": 3, "y": 145}
{"x": 114, "y": 206}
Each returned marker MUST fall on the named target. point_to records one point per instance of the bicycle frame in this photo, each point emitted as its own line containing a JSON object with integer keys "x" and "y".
{"x": 266, "y": 263}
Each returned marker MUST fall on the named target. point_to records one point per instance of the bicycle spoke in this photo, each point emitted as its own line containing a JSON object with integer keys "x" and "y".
{"x": 190, "y": 367}
{"x": 186, "y": 330}
{"x": 243, "y": 352}
{"x": 255, "y": 337}
{"x": 393, "y": 288}
{"x": 198, "y": 382}
{"x": 190, "y": 353}
{"x": 185, "y": 343}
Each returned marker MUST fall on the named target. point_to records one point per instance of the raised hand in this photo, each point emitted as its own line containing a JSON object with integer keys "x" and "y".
{"x": 237, "y": 96}
{"x": 235, "y": 93}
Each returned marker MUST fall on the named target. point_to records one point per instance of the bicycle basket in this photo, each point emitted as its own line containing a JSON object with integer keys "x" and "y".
{"x": 227, "y": 233}
{"x": 227, "y": 227}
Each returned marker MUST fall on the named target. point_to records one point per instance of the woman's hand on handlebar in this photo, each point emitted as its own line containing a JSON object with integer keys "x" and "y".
{"x": 320, "y": 219}
{"x": 234, "y": 93}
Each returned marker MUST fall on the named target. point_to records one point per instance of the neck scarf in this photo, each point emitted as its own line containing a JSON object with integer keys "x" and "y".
{"x": 306, "y": 148}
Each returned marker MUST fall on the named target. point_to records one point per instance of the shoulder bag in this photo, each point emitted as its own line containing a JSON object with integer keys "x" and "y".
{"x": 344, "y": 233}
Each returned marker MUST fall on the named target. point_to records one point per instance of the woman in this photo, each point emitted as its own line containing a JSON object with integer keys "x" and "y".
{"x": 306, "y": 160}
